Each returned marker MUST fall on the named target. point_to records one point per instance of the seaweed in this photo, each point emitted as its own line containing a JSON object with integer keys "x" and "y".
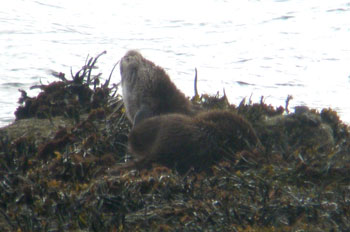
{"x": 69, "y": 98}
{"x": 57, "y": 161}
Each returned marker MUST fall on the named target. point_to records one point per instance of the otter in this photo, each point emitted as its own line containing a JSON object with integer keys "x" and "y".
{"x": 148, "y": 90}
{"x": 181, "y": 142}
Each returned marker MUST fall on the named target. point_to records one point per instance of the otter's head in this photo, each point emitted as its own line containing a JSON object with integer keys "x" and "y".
{"x": 129, "y": 63}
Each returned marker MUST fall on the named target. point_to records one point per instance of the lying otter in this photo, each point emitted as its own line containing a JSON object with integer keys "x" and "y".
{"x": 183, "y": 142}
{"x": 148, "y": 90}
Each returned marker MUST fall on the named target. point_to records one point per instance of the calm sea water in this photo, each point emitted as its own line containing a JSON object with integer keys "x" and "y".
{"x": 249, "y": 48}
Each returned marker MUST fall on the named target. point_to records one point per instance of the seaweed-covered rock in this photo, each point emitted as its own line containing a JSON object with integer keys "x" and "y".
{"x": 69, "y": 98}
{"x": 55, "y": 172}
{"x": 304, "y": 129}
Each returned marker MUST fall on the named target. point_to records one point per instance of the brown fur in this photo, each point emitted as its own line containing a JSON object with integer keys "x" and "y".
{"x": 183, "y": 142}
{"x": 148, "y": 90}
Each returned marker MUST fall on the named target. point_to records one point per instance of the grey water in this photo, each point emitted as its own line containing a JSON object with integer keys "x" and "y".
{"x": 250, "y": 48}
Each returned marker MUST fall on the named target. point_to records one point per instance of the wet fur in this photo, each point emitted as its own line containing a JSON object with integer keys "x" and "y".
{"x": 181, "y": 142}
{"x": 148, "y": 90}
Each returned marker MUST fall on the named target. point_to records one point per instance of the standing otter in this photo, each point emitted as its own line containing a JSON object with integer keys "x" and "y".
{"x": 148, "y": 90}
{"x": 183, "y": 142}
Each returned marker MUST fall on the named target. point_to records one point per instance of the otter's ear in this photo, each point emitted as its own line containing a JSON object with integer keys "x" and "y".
{"x": 142, "y": 114}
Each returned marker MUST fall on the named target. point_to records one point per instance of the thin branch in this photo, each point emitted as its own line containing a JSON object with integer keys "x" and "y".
{"x": 59, "y": 75}
{"x": 195, "y": 84}
{"x": 289, "y": 97}
{"x": 110, "y": 76}
{"x": 93, "y": 64}
{"x": 71, "y": 72}
{"x": 87, "y": 67}
{"x": 225, "y": 97}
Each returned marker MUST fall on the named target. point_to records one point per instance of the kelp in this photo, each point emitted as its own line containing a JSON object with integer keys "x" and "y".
{"x": 57, "y": 161}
